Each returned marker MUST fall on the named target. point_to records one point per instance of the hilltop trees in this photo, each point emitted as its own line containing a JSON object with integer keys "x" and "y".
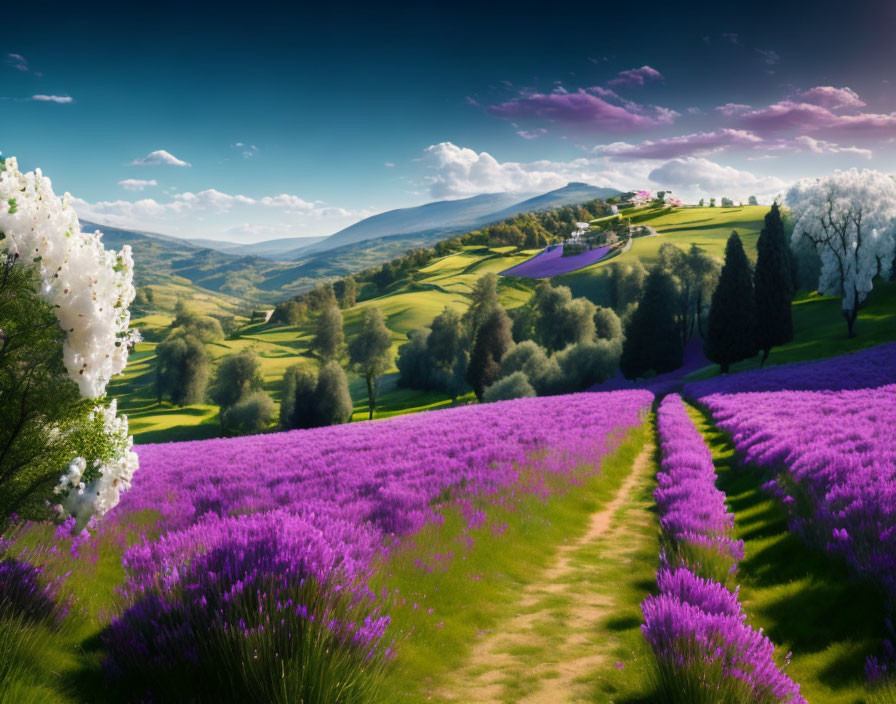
{"x": 773, "y": 286}
{"x": 731, "y": 332}
{"x": 752, "y": 201}
{"x": 652, "y": 336}
{"x": 369, "y": 352}
{"x": 849, "y": 217}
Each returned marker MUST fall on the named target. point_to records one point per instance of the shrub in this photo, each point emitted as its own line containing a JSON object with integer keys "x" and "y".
{"x": 509, "y": 387}
{"x": 251, "y": 414}
{"x": 182, "y": 370}
{"x": 607, "y": 325}
{"x": 527, "y": 357}
{"x": 587, "y": 363}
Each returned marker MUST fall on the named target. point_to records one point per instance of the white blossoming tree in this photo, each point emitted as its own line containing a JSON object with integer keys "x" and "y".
{"x": 63, "y": 334}
{"x": 850, "y": 218}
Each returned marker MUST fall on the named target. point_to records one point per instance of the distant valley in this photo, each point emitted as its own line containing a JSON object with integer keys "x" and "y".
{"x": 265, "y": 273}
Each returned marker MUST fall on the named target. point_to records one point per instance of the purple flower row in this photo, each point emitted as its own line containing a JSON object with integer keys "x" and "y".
{"x": 696, "y": 626}
{"x": 837, "y": 453}
{"x": 246, "y": 523}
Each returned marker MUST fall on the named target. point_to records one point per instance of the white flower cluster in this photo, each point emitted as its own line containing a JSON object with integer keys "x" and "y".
{"x": 89, "y": 289}
{"x": 106, "y": 480}
{"x": 851, "y": 218}
{"x": 88, "y": 286}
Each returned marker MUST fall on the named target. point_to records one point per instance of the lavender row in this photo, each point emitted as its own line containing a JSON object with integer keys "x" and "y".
{"x": 837, "y": 453}
{"x": 696, "y": 626}
{"x": 868, "y": 369}
{"x": 266, "y": 534}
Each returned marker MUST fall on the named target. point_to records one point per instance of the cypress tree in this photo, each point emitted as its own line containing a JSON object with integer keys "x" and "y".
{"x": 493, "y": 339}
{"x": 731, "y": 332}
{"x": 773, "y": 286}
{"x": 329, "y": 337}
{"x": 652, "y": 339}
{"x": 332, "y": 400}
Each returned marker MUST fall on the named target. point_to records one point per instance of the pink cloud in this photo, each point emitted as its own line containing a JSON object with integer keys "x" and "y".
{"x": 790, "y": 115}
{"x": 832, "y": 98}
{"x": 581, "y": 108}
{"x": 636, "y": 77}
{"x": 685, "y": 145}
{"x": 732, "y": 108}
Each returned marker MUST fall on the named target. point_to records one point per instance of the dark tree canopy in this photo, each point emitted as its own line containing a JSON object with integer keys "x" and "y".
{"x": 297, "y": 398}
{"x": 560, "y": 319}
{"x": 731, "y": 332}
{"x": 652, "y": 337}
{"x": 253, "y": 413}
{"x": 773, "y": 285}
{"x": 446, "y": 337}
{"x": 493, "y": 339}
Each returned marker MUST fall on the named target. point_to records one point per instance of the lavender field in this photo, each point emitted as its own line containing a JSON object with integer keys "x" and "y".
{"x": 551, "y": 262}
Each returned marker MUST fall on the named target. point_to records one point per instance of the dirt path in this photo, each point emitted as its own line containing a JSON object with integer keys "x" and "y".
{"x": 545, "y": 653}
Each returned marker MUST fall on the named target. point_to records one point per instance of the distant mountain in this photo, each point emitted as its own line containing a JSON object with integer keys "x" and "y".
{"x": 447, "y": 217}
{"x": 444, "y": 215}
{"x": 570, "y": 194}
{"x": 268, "y": 249}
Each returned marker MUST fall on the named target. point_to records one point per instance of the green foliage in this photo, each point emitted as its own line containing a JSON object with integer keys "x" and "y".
{"x": 695, "y": 275}
{"x": 493, "y": 339}
{"x": 626, "y": 283}
{"x": 237, "y": 375}
{"x": 297, "y": 398}
{"x": 731, "y": 332}
{"x": 369, "y": 352}
{"x": 290, "y": 312}
{"x": 560, "y": 319}
{"x": 509, "y": 387}
{"x": 588, "y": 362}
{"x": 252, "y": 413}
{"x": 44, "y": 421}
{"x": 346, "y": 291}
{"x": 483, "y": 300}
{"x": 182, "y": 369}
{"x": 528, "y": 358}
{"x": 329, "y": 337}
{"x": 772, "y": 286}
{"x": 652, "y": 338}
{"x": 607, "y": 325}
{"x": 332, "y": 400}
{"x": 203, "y": 327}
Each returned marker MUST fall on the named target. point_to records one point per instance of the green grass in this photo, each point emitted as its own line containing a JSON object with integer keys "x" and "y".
{"x": 708, "y": 228}
{"x": 806, "y": 601}
{"x": 406, "y": 305}
{"x": 819, "y": 330}
{"x": 480, "y": 586}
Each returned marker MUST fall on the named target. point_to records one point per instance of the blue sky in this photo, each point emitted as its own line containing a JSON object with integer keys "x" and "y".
{"x": 246, "y": 125}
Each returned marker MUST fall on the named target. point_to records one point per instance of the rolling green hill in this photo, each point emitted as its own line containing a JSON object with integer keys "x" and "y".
{"x": 414, "y": 301}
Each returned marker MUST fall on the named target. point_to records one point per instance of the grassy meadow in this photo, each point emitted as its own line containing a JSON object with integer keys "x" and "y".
{"x": 819, "y": 330}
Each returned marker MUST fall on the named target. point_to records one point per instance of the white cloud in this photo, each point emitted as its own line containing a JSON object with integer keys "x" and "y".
{"x": 693, "y": 177}
{"x": 457, "y": 172}
{"x": 212, "y": 212}
{"x": 532, "y": 134}
{"x": 247, "y": 150}
{"x": 820, "y": 146}
{"x": 136, "y": 184}
{"x": 41, "y": 98}
{"x": 159, "y": 157}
